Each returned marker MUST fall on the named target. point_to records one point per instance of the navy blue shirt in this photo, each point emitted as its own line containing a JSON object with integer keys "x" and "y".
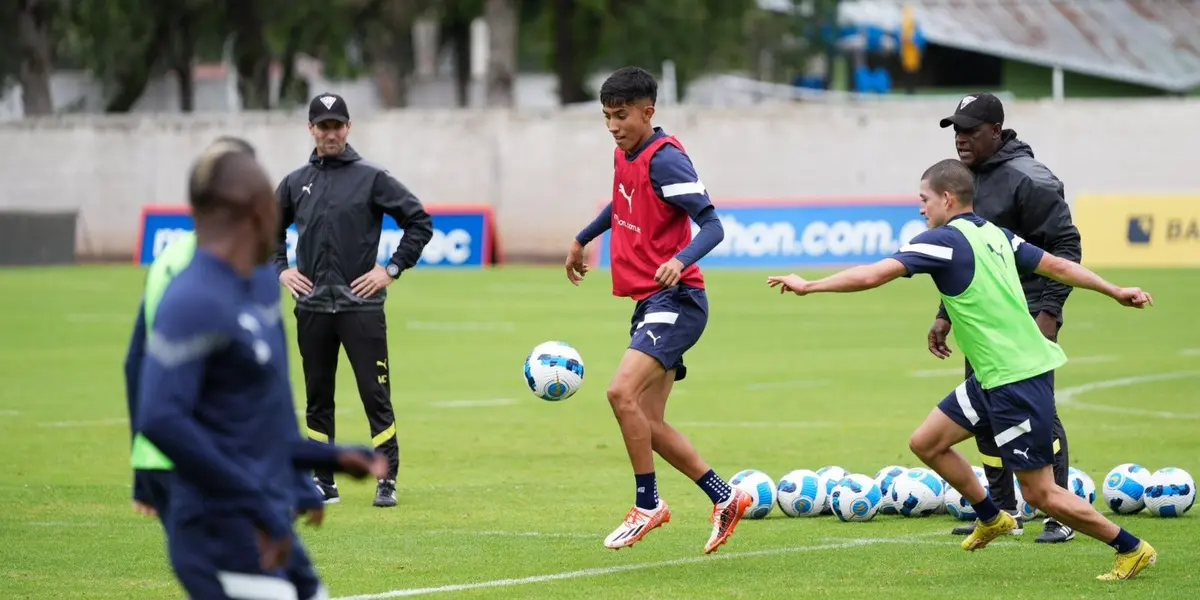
{"x": 945, "y": 255}
{"x": 675, "y": 181}
{"x": 214, "y": 396}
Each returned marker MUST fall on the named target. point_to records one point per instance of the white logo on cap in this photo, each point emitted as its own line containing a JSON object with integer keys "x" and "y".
{"x": 329, "y": 100}
{"x": 965, "y": 102}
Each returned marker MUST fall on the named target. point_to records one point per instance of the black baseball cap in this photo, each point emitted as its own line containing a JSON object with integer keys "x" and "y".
{"x": 975, "y": 110}
{"x": 328, "y": 107}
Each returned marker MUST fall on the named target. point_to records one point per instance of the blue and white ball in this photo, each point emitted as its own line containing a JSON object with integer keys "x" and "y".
{"x": 855, "y": 498}
{"x": 761, "y": 490}
{"x": 884, "y": 479}
{"x": 1082, "y": 485}
{"x": 554, "y": 371}
{"x": 830, "y": 475}
{"x": 959, "y": 507}
{"x": 800, "y": 494}
{"x": 1125, "y": 488}
{"x": 917, "y": 493}
{"x": 1171, "y": 493}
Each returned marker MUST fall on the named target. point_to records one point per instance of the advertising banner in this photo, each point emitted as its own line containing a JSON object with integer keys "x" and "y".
{"x": 1139, "y": 230}
{"x": 463, "y": 236}
{"x": 786, "y": 234}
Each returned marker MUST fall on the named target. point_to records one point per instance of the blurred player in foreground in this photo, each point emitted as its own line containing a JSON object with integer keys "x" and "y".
{"x": 655, "y": 192}
{"x": 976, "y": 267}
{"x": 214, "y": 397}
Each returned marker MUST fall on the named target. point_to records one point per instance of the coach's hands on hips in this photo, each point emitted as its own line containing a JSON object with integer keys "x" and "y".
{"x": 669, "y": 273}
{"x": 576, "y": 267}
{"x": 297, "y": 284}
{"x": 789, "y": 283}
{"x": 937, "y": 338}
{"x": 371, "y": 282}
{"x": 1133, "y": 297}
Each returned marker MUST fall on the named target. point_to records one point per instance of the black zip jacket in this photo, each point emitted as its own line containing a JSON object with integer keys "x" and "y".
{"x": 337, "y": 204}
{"x": 1018, "y": 193}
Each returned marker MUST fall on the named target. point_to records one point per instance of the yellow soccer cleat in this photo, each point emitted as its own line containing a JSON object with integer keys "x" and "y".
{"x": 986, "y": 533}
{"x": 1128, "y": 565}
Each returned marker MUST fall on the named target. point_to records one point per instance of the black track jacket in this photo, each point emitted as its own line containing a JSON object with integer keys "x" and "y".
{"x": 337, "y": 204}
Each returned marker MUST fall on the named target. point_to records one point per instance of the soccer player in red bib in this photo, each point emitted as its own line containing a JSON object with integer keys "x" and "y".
{"x": 656, "y": 194}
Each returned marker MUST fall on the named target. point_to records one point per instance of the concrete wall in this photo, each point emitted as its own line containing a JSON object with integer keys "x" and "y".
{"x": 546, "y": 171}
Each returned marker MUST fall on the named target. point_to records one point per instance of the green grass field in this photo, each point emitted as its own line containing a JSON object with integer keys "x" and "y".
{"x": 505, "y": 496}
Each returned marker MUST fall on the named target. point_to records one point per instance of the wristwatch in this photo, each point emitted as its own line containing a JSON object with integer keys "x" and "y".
{"x": 393, "y": 270}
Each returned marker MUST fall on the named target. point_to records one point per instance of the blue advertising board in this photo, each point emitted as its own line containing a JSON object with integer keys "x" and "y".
{"x": 463, "y": 236}
{"x": 795, "y": 234}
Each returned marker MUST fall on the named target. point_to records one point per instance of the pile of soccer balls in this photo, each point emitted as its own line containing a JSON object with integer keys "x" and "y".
{"x": 554, "y": 372}
{"x": 920, "y": 492}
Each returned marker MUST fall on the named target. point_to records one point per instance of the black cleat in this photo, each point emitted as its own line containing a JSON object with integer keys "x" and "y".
{"x": 969, "y": 528}
{"x": 1055, "y": 533}
{"x": 385, "y": 493}
{"x": 329, "y": 491}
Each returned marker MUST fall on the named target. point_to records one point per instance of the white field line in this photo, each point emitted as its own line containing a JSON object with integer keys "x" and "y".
{"x": 760, "y": 386}
{"x": 1067, "y": 396}
{"x": 602, "y": 571}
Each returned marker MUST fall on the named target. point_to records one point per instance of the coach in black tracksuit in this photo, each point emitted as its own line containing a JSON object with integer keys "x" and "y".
{"x": 1015, "y": 191}
{"x": 337, "y": 202}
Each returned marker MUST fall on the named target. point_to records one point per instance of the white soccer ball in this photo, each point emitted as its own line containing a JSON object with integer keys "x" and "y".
{"x": 1171, "y": 492}
{"x": 958, "y": 506}
{"x": 800, "y": 494}
{"x": 830, "y": 475}
{"x": 554, "y": 371}
{"x": 884, "y": 479}
{"x": 917, "y": 493}
{"x": 1125, "y": 488}
{"x": 1025, "y": 510}
{"x": 761, "y": 489}
{"x": 855, "y": 498}
{"x": 1082, "y": 485}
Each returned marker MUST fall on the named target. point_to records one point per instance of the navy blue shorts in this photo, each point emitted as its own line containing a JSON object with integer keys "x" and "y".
{"x": 667, "y": 325}
{"x": 1017, "y": 417}
{"x": 217, "y": 557}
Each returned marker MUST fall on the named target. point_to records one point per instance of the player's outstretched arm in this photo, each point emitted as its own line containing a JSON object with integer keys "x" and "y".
{"x": 854, "y": 279}
{"x": 184, "y": 335}
{"x": 577, "y": 266}
{"x": 1077, "y": 275}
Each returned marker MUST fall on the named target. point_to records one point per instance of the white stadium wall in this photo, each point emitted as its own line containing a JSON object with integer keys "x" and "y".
{"x": 545, "y": 174}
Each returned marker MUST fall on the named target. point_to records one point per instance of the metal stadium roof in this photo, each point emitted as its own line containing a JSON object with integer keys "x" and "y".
{"x": 1155, "y": 43}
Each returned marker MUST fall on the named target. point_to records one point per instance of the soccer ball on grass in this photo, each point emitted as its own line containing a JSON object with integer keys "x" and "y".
{"x": 554, "y": 371}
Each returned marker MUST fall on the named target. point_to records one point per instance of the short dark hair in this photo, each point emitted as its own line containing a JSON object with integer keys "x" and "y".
{"x": 628, "y": 85}
{"x": 208, "y": 185}
{"x": 951, "y": 175}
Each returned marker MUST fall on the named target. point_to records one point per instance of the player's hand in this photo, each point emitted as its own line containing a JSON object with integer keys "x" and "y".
{"x": 1048, "y": 325}
{"x": 937, "y": 338}
{"x": 789, "y": 283}
{"x": 669, "y": 273}
{"x": 1134, "y": 297}
{"x": 297, "y": 284}
{"x": 371, "y": 282}
{"x": 359, "y": 464}
{"x": 144, "y": 509}
{"x": 273, "y": 554}
{"x": 577, "y": 268}
{"x": 314, "y": 517}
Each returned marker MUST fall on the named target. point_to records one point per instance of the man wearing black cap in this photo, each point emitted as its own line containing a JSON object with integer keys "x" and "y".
{"x": 1014, "y": 191}
{"x": 337, "y": 202}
